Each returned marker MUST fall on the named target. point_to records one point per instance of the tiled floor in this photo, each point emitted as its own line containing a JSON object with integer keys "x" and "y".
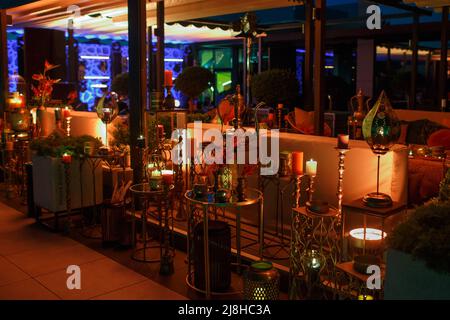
{"x": 33, "y": 264}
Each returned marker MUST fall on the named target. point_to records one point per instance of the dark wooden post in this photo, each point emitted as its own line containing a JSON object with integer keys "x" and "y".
{"x": 244, "y": 69}
{"x": 309, "y": 51}
{"x": 319, "y": 66}
{"x": 415, "y": 52}
{"x": 160, "y": 52}
{"x": 443, "y": 65}
{"x": 3, "y": 62}
{"x": 389, "y": 62}
{"x": 151, "y": 65}
{"x": 116, "y": 59}
{"x": 260, "y": 54}
{"x": 73, "y": 58}
{"x": 137, "y": 20}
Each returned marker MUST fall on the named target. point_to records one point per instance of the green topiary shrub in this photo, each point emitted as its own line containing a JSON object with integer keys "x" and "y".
{"x": 119, "y": 84}
{"x": 56, "y": 145}
{"x": 193, "y": 81}
{"x": 426, "y": 233}
{"x": 275, "y": 86}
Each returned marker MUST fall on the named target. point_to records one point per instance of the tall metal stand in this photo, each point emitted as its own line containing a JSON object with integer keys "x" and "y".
{"x": 340, "y": 195}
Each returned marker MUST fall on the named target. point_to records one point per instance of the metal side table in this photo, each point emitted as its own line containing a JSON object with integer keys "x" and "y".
{"x": 198, "y": 210}
{"x": 150, "y": 198}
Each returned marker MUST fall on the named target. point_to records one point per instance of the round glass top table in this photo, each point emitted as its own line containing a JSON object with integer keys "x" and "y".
{"x": 159, "y": 198}
{"x": 253, "y": 197}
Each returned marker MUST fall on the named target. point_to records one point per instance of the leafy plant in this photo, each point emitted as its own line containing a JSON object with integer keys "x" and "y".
{"x": 192, "y": 81}
{"x": 121, "y": 135}
{"x": 56, "y": 145}
{"x": 120, "y": 84}
{"x": 275, "y": 86}
{"x": 444, "y": 188}
{"x": 426, "y": 233}
{"x": 43, "y": 91}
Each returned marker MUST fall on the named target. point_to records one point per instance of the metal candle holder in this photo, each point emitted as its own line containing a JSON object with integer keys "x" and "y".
{"x": 298, "y": 189}
{"x": 68, "y": 120}
{"x": 68, "y": 198}
{"x": 311, "y": 187}
{"x": 340, "y": 191}
{"x": 280, "y": 113}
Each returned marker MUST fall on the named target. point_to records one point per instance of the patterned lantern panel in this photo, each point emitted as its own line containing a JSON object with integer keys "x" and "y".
{"x": 381, "y": 127}
{"x": 261, "y": 282}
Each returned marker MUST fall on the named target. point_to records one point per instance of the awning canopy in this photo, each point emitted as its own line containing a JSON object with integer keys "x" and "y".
{"x": 111, "y": 16}
{"x": 434, "y": 4}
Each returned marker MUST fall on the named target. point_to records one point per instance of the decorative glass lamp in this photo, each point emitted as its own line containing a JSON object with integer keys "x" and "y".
{"x": 107, "y": 110}
{"x": 261, "y": 282}
{"x": 381, "y": 130}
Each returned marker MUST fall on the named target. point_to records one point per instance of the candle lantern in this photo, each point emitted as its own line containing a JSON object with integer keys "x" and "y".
{"x": 311, "y": 171}
{"x": 261, "y": 282}
{"x": 107, "y": 110}
{"x": 167, "y": 176}
{"x": 18, "y": 83}
{"x": 381, "y": 129}
{"x": 343, "y": 141}
{"x": 169, "y": 100}
{"x": 312, "y": 264}
{"x": 66, "y": 158}
{"x": 368, "y": 238}
{"x": 366, "y": 247}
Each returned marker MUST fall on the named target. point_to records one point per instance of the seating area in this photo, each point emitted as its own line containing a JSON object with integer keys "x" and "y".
{"x": 208, "y": 150}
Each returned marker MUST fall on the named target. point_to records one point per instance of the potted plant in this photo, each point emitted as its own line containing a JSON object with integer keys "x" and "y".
{"x": 418, "y": 258}
{"x": 192, "y": 82}
{"x": 42, "y": 94}
{"x": 49, "y": 187}
{"x": 275, "y": 86}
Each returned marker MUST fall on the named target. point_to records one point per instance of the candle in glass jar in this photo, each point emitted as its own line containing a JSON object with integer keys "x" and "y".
{"x": 66, "y": 158}
{"x": 365, "y": 297}
{"x": 16, "y": 101}
{"x": 167, "y": 176}
{"x": 343, "y": 140}
{"x": 106, "y": 115}
{"x": 156, "y": 173}
{"x": 297, "y": 163}
{"x": 311, "y": 167}
{"x": 57, "y": 114}
{"x": 66, "y": 112}
{"x": 168, "y": 78}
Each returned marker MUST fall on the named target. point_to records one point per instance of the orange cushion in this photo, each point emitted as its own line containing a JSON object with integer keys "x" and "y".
{"x": 440, "y": 138}
{"x": 304, "y": 120}
{"x": 225, "y": 111}
{"x": 403, "y": 133}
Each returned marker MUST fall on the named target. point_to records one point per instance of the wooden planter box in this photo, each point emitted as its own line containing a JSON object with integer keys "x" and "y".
{"x": 49, "y": 185}
{"x": 410, "y": 279}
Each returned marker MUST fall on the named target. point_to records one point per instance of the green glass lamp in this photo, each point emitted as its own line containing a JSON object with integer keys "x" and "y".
{"x": 381, "y": 130}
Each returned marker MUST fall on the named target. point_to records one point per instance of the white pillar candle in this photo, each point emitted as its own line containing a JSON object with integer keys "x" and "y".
{"x": 311, "y": 167}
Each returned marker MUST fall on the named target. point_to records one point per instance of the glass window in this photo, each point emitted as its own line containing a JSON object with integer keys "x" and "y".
{"x": 223, "y": 81}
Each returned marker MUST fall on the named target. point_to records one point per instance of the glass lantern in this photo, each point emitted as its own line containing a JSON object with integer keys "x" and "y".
{"x": 261, "y": 282}
{"x": 107, "y": 110}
